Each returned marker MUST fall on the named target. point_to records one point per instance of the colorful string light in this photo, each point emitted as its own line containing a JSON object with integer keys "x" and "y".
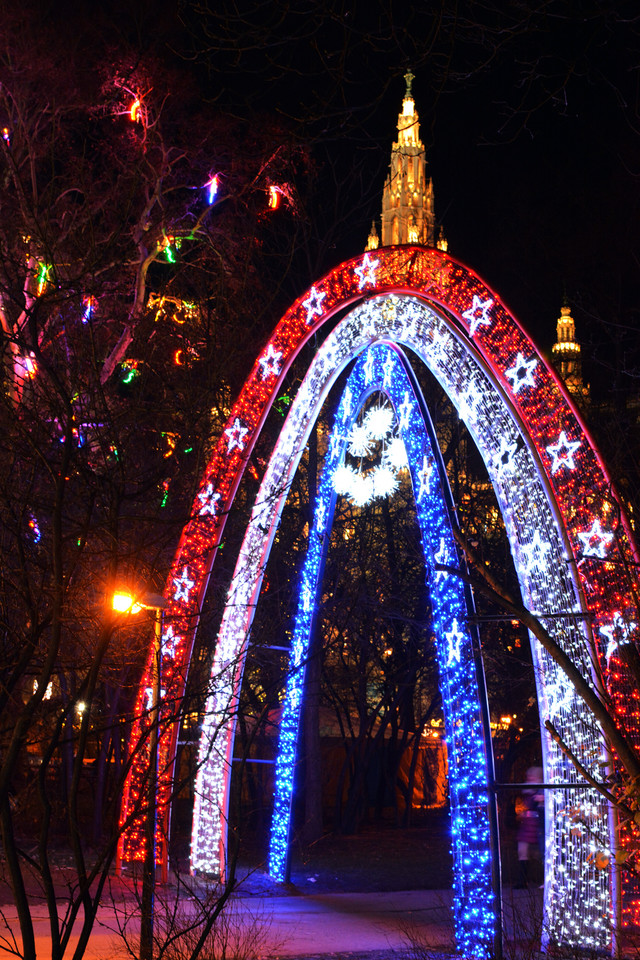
{"x": 211, "y": 186}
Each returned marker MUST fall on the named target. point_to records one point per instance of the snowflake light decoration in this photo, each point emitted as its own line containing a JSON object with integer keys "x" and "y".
{"x": 372, "y": 437}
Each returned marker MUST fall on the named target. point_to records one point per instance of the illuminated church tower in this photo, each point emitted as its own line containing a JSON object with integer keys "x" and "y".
{"x": 407, "y": 199}
{"x": 565, "y": 355}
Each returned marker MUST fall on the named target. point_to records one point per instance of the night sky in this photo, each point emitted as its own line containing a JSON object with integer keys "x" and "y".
{"x": 529, "y": 112}
{"x": 530, "y": 116}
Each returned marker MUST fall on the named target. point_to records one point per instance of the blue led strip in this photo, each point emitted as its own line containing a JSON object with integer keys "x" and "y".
{"x": 381, "y": 368}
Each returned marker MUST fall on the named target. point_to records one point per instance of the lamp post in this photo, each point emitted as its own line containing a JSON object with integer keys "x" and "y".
{"x": 125, "y": 603}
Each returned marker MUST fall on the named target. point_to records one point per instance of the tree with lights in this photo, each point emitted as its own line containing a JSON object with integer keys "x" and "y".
{"x": 134, "y": 219}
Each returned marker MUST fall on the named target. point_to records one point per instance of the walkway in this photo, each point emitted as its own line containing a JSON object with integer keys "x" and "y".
{"x": 344, "y": 925}
{"x": 295, "y": 926}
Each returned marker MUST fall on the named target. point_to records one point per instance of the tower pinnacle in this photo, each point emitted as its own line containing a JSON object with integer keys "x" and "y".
{"x": 409, "y": 78}
{"x": 407, "y": 198}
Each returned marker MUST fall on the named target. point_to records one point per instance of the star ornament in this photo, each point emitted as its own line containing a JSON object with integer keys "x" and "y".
{"x": 559, "y": 697}
{"x": 148, "y": 697}
{"x": 236, "y": 435}
{"x": 334, "y": 444}
{"x": 387, "y": 370}
{"x": 454, "y": 641}
{"x": 184, "y": 586}
{"x": 439, "y": 342}
{"x": 424, "y": 478}
{"x": 270, "y": 362}
{"x": 307, "y": 598}
{"x": 169, "y": 642}
{"x": 404, "y": 412}
{"x": 536, "y": 553}
{"x": 618, "y": 632}
{"x": 209, "y": 501}
{"x": 467, "y": 403}
{"x": 521, "y": 373}
{"x": 296, "y": 652}
{"x": 504, "y": 459}
{"x": 562, "y": 452}
{"x": 313, "y": 304}
{"x": 321, "y": 516}
{"x": 366, "y": 271}
{"x": 478, "y": 313}
{"x": 368, "y": 369}
{"x": 595, "y": 542}
{"x": 441, "y": 556}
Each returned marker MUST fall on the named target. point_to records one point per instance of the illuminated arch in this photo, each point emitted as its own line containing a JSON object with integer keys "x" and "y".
{"x": 495, "y": 377}
{"x": 380, "y": 370}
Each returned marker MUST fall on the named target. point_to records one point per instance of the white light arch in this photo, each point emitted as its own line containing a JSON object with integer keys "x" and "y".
{"x": 577, "y": 894}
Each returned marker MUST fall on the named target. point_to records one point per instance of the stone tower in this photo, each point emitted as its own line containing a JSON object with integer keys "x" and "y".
{"x": 407, "y": 199}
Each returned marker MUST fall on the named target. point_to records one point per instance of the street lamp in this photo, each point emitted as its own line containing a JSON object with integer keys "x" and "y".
{"x": 126, "y": 603}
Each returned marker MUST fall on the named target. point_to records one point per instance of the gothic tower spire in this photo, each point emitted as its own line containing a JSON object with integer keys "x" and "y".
{"x": 407, "y": 199}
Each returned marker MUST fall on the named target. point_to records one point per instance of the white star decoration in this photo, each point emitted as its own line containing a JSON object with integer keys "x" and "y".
{"x": 424, "y": 478}
{"x": 236, "y": 434}
{"x": 472, "y": 313}
{"x": 169, "y": 641}
{"x": 307, "y": 598}
{"x": 366, "y": 272}
{"x": 440, "y": 339}
{"x": 346, "y": 402}
{"x": 404, "y": 412}
{"x": 504, "y": 459}
{"x": 368, "y": 369}
{"x": 313, "y": 304}
{"x": 270, "y": 362}
{"x": 321, "y": 516}
{"x": 297, "y": 651}
{"x": 441, "y": 556}
{"x": 467, "y": 403}
{"x": 183, "y": 586}
{"x": 618, "y": 632}
{"x": 521, "y": 373}
{"x": 559, "y": 696}
{"x": 535, "y": 552}
{"x": 334, "y": 445}
{"x": 387, "y": 369}
{"x": 602, "y": 541}
{"x": 562, "y": 452}
{"x": 454, "y": 640}
{"x": 148, "y": 697}
{"x": 209, "y": 500}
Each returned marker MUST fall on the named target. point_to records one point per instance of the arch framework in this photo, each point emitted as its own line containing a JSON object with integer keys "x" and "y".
{"x": 572, "y": 552}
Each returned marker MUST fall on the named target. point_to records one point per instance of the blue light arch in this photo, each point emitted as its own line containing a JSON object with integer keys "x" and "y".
{"x": 383, "y": 368}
